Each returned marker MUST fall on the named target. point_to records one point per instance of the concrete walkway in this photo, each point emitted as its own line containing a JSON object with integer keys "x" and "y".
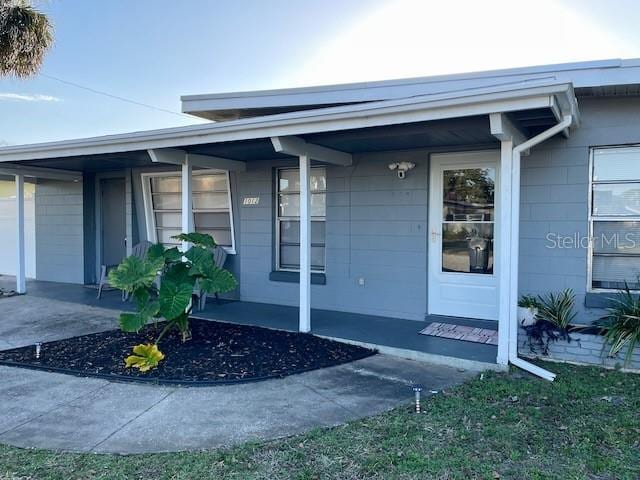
{"x": 54, "y": 411}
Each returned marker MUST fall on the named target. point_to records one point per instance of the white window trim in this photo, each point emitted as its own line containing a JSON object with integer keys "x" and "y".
{"x": 277, "y": 222}
{"x": 150, "y": 220}
{"x": 592, "y": 218}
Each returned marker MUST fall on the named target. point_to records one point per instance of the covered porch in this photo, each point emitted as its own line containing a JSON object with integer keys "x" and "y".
{"x": 508, "y": 120}
{"x": 388, "y": 335}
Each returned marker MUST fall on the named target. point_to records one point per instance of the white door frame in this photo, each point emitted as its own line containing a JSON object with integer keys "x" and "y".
{"x": 447, "y": 290}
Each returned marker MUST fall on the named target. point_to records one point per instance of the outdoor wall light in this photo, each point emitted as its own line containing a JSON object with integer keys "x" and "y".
{"x": 417, "y": 389}
{"x": 402, "y": 168}
{"x": 38, "y": 349}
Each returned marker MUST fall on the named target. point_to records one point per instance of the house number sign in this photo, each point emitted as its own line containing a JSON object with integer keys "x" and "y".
{"x": 251, "y": 201}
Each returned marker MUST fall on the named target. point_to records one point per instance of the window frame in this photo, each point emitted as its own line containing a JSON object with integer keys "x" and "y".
{"x": 605, "y": 218}
{"x": 150, "y": 218}
{"x": 278, "y": 219}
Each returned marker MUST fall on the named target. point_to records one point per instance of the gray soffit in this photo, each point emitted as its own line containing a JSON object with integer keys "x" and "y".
{"x": 438, "y": 134}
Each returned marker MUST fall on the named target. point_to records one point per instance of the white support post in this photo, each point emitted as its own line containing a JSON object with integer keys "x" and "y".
{"x": 187, "y": 200}
{"x": 21, "y": 282}
{"x": 514, "y": 253}
{"x": 305, "y": 245}
{"x": 504, "y": 253}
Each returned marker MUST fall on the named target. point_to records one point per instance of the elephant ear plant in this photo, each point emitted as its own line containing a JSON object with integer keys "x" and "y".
{"x": 177, "y": 273}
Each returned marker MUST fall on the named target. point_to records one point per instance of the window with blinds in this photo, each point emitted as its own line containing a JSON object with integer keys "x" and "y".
{"x": 211, "y": 207}
{"x": 615, "y": 218}
{"x": 288, "y": 219}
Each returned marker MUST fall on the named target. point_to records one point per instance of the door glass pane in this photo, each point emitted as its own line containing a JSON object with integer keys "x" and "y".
{"x": 616, "y": 237}
{"x": 467, "y": 247}
{"x": 616, "y": 164}
{"x": 468, "y": 194}
{"x": 617, "y": 199}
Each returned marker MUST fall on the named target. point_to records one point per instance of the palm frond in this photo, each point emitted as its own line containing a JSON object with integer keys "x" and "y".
{"x": 25, "y": 36}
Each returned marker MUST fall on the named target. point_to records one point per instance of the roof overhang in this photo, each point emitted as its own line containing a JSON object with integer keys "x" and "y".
{"x": 592, "y": 78}
{"x": 557, "y": 97}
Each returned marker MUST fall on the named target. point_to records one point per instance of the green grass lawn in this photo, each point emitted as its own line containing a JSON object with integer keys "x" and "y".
{"x": 586, "y": 425}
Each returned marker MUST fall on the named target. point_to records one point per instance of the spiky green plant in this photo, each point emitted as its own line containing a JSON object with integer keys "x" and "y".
{"x": 621, "y": 325}
{"x": 557, "y": 309}
{"x": 25, "y": 36}
{"x": 528, "y": 301}
{"x": 177, "y": 273}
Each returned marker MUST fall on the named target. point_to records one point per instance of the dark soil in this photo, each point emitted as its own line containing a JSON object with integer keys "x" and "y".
{"x": 218, "y": 353}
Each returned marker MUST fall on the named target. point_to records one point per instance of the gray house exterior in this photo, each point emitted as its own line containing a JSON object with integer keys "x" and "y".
{"x": 377, "y": 242}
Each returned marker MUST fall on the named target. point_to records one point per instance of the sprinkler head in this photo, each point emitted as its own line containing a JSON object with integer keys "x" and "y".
{"x": 417, "y": 388}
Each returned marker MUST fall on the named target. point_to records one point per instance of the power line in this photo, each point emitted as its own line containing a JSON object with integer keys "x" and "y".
{"x": 116, "y": 97}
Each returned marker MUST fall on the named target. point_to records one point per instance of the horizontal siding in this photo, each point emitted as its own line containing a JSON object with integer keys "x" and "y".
{"x": 554, "y": 200}
{"x": 375, "y": 230}
{"x": 59, "y": 232}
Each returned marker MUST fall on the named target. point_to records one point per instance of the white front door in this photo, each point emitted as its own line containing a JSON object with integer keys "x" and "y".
{"x": 462, "y": 234}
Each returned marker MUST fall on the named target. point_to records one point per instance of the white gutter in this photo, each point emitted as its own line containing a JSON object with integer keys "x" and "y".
{"x": 515, "y": 247}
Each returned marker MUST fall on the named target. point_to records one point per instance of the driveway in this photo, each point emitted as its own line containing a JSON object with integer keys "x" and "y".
{"x": 55, "y": 411}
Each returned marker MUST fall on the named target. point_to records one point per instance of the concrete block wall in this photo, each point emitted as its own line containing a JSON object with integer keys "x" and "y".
{"x": 554, "y": 199}
{"x": 584, "y": 349}
{"x": 59, "y": 231}
{"x": 376, "y": 230}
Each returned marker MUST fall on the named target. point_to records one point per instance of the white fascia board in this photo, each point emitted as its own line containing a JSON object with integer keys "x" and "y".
{"x": 391, "y": 112}
{"x": 581, "y": 74}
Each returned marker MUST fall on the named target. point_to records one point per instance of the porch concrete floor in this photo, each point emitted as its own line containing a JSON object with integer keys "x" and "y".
{"x": 62, "y": 412}
{"x": 383, "y": 331}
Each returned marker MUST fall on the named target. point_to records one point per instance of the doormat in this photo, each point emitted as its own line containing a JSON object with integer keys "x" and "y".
{"x": 461, "y": 332}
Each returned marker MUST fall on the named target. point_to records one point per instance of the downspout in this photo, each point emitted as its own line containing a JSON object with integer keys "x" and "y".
{"x": 515, "y": 247}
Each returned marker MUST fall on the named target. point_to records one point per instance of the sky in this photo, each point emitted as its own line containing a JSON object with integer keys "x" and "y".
{"x": 153, "y": 51}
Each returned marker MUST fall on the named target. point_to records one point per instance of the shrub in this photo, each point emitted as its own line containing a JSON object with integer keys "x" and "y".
{"x": 528, "y": 301}
{"x": 621, "y": 325}
{"x": 555, "y": 313}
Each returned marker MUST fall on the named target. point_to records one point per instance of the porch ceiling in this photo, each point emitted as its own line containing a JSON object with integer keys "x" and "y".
{"x": 438, "y": 134}
{"x": 456, "y": 132}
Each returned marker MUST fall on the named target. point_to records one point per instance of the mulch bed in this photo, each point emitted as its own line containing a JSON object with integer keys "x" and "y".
{"x": 218, "y": 353}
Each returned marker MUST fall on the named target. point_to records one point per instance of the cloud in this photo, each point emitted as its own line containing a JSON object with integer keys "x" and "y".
{"x": 23, "y": 97}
